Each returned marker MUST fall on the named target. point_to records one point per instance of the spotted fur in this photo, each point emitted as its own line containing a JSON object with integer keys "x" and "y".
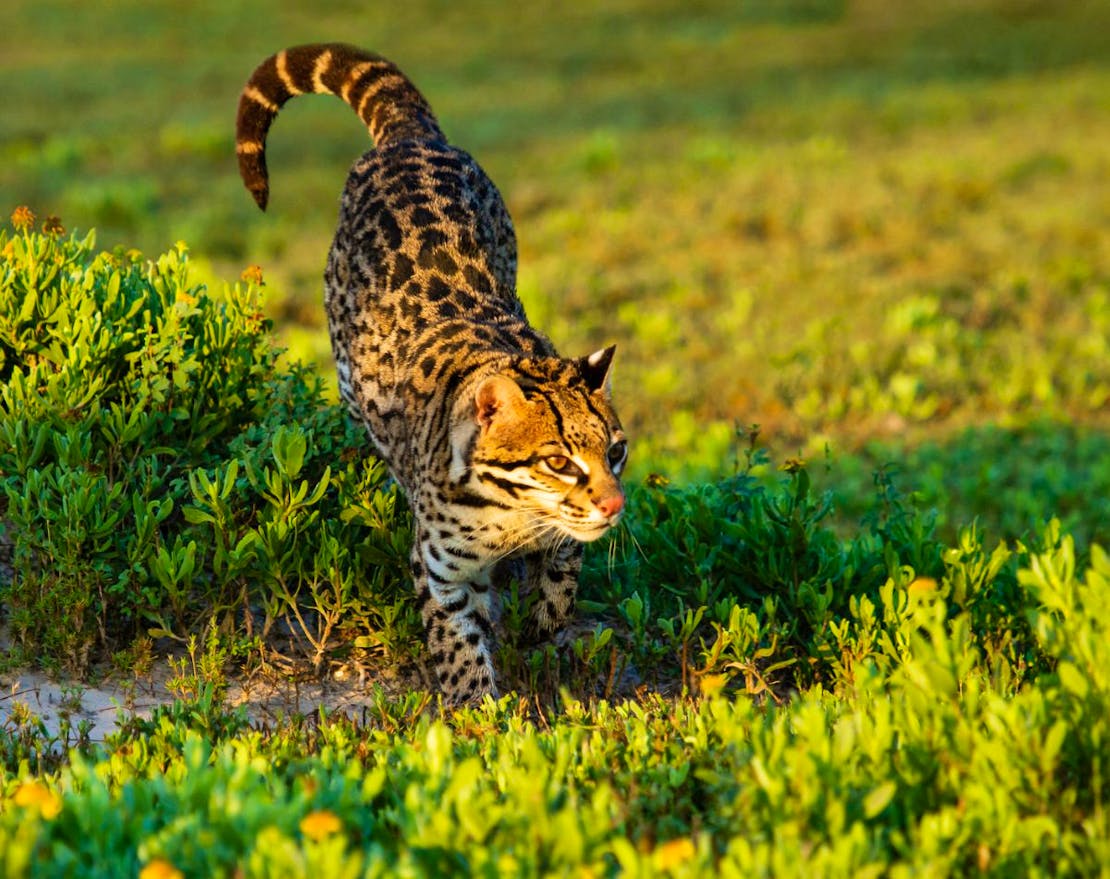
{"x": 510, "y": 455}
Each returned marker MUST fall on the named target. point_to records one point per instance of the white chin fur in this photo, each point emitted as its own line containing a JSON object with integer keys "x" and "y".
{"x": 587, "y": 532}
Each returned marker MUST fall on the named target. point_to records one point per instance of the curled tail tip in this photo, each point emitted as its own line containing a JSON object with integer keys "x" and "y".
{"x": 253, "y": 173}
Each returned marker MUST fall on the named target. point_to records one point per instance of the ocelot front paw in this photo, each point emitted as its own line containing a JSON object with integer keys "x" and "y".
{"x": 466, "y": 681}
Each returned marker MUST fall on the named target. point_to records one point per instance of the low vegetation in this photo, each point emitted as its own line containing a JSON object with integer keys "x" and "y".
{"x": 756, "y": 688}
{"x": 162, "y": 475}
{"x": 854, "y": 621}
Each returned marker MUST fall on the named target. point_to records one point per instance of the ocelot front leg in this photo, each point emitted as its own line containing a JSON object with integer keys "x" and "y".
{"x": 457, "y": 626}
{"x": 551, "y": 584}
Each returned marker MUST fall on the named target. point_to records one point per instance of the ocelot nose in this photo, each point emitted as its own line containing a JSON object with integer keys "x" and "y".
{"x": 611, "y": 505}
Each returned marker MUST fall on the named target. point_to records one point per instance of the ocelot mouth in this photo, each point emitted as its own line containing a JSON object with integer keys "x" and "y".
{"x": 586, "y": 532}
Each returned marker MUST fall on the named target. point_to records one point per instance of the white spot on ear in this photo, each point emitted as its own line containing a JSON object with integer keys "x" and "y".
{"x": 596, "y": 368}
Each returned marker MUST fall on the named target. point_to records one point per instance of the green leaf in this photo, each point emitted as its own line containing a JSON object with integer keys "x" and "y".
{"x": 197, "y": 516}
{"x": 289, "y": 447}
{"x": 1072, "y": 679}
{"x": 879, "y": 798}
{"x": 30, "y": 299}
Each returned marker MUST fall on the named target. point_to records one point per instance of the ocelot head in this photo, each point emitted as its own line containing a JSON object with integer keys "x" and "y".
{"x": 546, "y": 441}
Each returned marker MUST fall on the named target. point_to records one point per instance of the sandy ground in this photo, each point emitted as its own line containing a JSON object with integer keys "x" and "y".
{"x": 265, "y": 696}
{"x": 23, "y": 690}
{"x": 100, "y": 704}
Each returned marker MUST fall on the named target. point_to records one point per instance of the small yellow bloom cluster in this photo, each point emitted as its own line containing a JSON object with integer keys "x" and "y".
{"x": 712, "y": 685}
{"x": 320, "y": 824}
{"x": 160, "y": 868}
{"x": 674, "y": 853}
{"x": 922, "y": 586}
{"x": 252, "y": 274}
{"x": 35, "y": 795}
{"x": 23, "y": 218}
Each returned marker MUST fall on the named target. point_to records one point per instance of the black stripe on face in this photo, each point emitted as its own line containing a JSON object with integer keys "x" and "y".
{"x": 597, "y": 412}
{"x": 555, "y": 413}
{"x": 506, "y": 485}
{"x": 530, "y": 380}
{"x": 474, "y": 500}
{"x": 460, "y": 553}
{"x": 511, "y": 465}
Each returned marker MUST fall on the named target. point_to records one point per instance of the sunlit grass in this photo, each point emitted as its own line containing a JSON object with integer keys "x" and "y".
{"x": 838, "y": 220}
{"x": 878, "y": 230}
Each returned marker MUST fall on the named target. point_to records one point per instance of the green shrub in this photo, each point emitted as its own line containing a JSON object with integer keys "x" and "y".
{"x": 751, "y": 582}
{"x": 1011, "y": 479}
{"x": 744, "y": 561}
{"x": 159, "y": 470}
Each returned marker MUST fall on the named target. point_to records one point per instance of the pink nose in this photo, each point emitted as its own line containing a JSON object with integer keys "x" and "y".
{"x": 610, "y": 506}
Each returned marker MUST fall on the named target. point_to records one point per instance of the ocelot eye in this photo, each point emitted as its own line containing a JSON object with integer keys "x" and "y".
{"x": 563, "y": 467}
{"x": 617, "y": 453}
{"x": 561, "y": 464}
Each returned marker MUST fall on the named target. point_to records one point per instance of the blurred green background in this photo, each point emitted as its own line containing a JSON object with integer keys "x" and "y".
{"x": 851, "y": 222}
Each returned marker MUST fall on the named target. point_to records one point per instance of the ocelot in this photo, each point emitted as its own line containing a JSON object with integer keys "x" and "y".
{"x": 510, "y": 455}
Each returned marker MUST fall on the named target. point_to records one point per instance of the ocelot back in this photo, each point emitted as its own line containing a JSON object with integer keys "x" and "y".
{"x": 510, "y": 455}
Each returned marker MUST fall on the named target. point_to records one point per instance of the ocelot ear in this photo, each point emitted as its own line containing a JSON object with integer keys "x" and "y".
{"x": 595, "y": 369}
{"x": 495, "y": 399}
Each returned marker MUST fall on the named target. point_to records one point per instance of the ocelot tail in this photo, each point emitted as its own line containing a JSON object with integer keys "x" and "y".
{"x": 510, "y": 456}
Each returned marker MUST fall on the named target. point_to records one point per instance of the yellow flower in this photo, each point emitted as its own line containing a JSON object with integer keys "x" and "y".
{"x": 35, "y": 795}
{"x": 23, "y": 218}
{"x": 674, "y": 852}
{"x": 712, "y": 685}
{"x": 160, "y": 868}
{"x": 922, "y": 585}
{"x": 252, "y": 274}
{"x": 320, "y": 824}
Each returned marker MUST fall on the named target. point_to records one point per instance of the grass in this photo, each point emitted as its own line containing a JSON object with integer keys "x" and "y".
{"x": 877, "y": 231}
{"x": 833, "y": 219}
